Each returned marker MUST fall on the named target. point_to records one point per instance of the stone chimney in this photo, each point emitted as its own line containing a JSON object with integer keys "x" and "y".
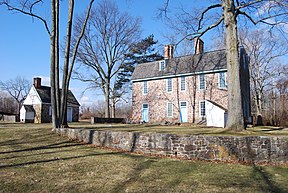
{"x": 199, "y": 46}
{"x": 37, "y": 82}
{"x": 168, "y": 51}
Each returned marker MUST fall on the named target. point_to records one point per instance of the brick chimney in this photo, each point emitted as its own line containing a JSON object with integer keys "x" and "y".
{"x": 168, "y": 51}
{"x": 199, "y": 46}
{"x": 37, "y": 82}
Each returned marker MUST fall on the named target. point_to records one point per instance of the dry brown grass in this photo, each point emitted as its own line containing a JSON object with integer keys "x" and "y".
{"x": 33, "y": 159}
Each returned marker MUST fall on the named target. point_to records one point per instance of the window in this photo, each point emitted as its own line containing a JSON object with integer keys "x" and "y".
{"x": 182, "y": 84}
{"x": 145, "y": 87}
{"x": 183, "y": 104}
{"x": 202, "y": 82}
{"x": 222, "y": 80}
{"x": 169, "y": 110}
{"x": 162, "y": 65}
{"x": 169, "y": 85}
{"x": 202, "y": 109}
{"x": 145, "y": 106}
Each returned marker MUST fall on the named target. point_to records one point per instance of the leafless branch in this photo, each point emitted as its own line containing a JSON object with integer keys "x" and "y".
{"x": 205, "y": 11}
{"x": 30, "y": 13}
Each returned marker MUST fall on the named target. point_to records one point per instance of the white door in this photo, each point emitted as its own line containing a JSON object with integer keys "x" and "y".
{"x": 145, "y": 113}
{"x": 69, "y": 114}
{"x": 183, "y": 112}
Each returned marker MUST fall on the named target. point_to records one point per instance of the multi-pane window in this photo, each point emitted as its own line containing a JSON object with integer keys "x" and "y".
{"x": 169, "y": 110}
{"x": 202, "y": 82}
{"x": 182, "y": 83}
{"x": 202, "y": 109}
{"x": 222, "y": 80}
{"x": 183, "y": 104}
{"x": 162, "y": 65}
{"x": 169, "y": 85}
{"x": 145, "y": 87}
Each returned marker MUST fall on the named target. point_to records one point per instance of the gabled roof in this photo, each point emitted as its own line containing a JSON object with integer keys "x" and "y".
{"x": 221, "y": 107}
{"x": 29, "y": 108}
{"x": 192, "y": 64}
{"x": 44, "y": 93}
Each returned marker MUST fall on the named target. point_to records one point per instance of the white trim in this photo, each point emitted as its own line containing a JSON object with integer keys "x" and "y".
{"x": 200, "y": 115}
{"x": 199, "y": 82}
{"x": 147, "y": 110}
{"x": 179, "y": 75}
{"x": 143, "y": 87}
{"x": 167, "y": 109}
{"x": 187, "y": 110}
{"x": 167, "y": 80}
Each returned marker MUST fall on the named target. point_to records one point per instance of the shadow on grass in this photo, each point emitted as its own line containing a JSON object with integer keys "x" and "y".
{"x": 51, "y": 146}
{"x": 22, "y": 141}
{"x": 58, "y": 159}
{"x": 267, "y": 179}
{"x": 35, "y": 154}
{"x": 135, "y": 175}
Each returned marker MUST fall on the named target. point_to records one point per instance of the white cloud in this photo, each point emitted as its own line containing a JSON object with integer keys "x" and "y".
{"x": 85, "y": 100}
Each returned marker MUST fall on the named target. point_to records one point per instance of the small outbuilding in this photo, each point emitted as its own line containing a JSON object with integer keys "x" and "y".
{"x": 37, "y": 105}
{"x": 216, "y": 115}
{"x": 27, "y": 114}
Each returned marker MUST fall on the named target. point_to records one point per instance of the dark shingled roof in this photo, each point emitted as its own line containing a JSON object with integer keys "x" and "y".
{"x": 29, "y": 108}
{"x": 214, "y": 60}
{"x": 45, "y": 95}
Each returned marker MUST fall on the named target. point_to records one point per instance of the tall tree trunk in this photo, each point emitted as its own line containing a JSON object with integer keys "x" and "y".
{"x": 57, "y": 89}
{"x": 65, "y": 79}
{"x": 235, "y": 109}
{"x": 55, "y": 122}
{"x": 107, "y": 99}
{"x": 258, "y": 103}
{"x": 113, "y": 108}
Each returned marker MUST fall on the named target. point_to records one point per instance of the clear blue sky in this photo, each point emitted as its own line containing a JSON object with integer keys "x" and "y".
{"x": 24, "y": 42}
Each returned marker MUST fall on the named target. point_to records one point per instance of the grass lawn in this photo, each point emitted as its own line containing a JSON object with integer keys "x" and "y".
{"x": 33, "y": 159}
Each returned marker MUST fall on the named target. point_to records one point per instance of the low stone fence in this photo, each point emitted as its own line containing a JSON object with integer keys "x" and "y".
{"x": 255, "y": 149}
{"x": 95, "y": 120}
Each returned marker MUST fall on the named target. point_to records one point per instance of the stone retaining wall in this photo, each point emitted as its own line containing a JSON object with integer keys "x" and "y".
{"x": 256, "y": 149}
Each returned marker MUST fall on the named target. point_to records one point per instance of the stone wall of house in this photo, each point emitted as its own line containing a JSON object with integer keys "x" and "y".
{"x": 157, "y": 98}
{"x": 256, "y": 149}
{"x": 46, "y": 117}
{"x": 38, "y": 109}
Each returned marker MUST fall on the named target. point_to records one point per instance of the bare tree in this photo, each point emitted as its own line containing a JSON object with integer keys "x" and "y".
{"x": 7, "y": 103}
{"x": 264, "y": 52}
{"x": 58, "y": 99}
{"x": 17, "y": 88}
{"x": 228, "y": 12}
{"x": 107, "y": 38}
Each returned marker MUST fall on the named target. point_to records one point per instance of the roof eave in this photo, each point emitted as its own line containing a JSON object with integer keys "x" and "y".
{"x": 179, "y": 75}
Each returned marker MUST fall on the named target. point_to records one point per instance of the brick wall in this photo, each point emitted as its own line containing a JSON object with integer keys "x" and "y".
{"x": 157, "y": 98}
{"x": 255, "y": 149}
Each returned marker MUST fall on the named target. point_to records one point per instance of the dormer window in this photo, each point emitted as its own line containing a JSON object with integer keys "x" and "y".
{"x": 162, "y": 65}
